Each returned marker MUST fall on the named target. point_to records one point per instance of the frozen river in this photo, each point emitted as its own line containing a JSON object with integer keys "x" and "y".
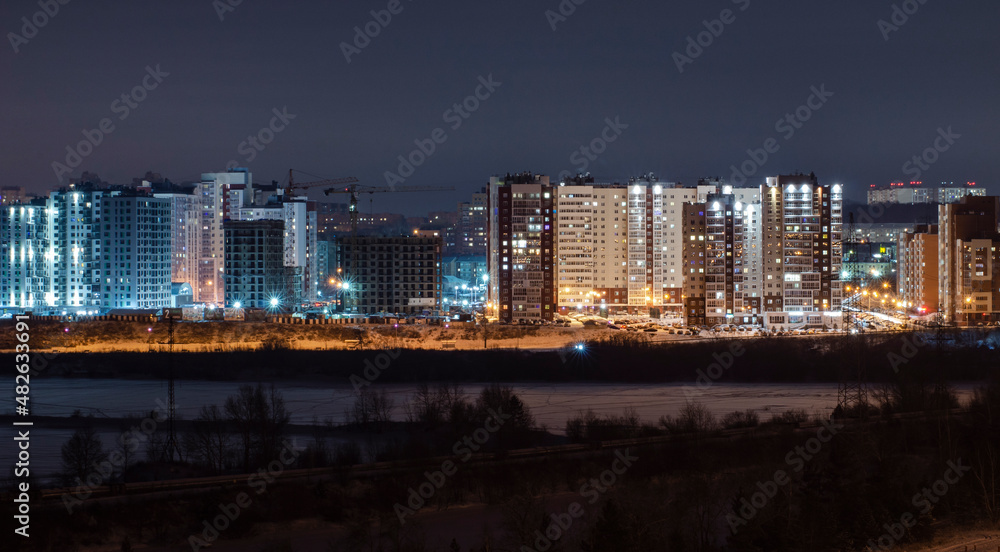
{"x": 551, "y": 404}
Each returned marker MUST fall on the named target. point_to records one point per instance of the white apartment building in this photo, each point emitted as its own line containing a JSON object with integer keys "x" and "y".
{"x": 135, "y": 263}
{"x": 74, "y": 217}
{"x": 576, "y": 208}
{"x": 913, "y": 193}
{"x": 27, "y": 256}
{"x": 217, "y": 201}
{"x": 802, "y": 252}
{"x": 184, "y": 219}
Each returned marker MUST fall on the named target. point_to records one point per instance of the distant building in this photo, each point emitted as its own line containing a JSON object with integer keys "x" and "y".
{"x": 917, "y": 273}
{"x": 11, "y": 195}
{"x": 181, "y": 295}
{"x": 522, "y": 248}
{"x": 396, "y": 275}
{"x": 134, "y": 263}
{"x": 886, "y": 232}
{"x": 912, "y": 193}
{"x": 464, "y": 271}
{"x": 470, "y": 228}
{"x": 255, "y": 269}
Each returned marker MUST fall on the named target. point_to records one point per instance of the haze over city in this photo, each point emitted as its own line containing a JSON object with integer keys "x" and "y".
{"x": 229, "y": 66}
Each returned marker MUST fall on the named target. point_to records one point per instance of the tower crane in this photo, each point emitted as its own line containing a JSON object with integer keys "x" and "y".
{"x": 354, "y": 190}
{"x": 349, "y": 186}
{"x": 292, "y": 185}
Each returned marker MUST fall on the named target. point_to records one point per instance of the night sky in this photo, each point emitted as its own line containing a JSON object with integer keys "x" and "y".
{"x": 606, "y": 60}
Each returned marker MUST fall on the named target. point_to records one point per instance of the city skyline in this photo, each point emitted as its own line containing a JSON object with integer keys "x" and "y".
{"x": 867, "y": 113}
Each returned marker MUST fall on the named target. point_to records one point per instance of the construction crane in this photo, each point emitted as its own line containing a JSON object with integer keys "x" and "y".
{"x": 354, "y": 190}
{"x": 292, "y": 185}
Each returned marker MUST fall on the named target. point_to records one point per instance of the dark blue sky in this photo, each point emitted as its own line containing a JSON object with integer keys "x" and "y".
{"x": 606, "y": 60}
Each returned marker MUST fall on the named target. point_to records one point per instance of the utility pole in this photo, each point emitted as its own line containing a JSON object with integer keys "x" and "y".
{"x": 171, "y": 405}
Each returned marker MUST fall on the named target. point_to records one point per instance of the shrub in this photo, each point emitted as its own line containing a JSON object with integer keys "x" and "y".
{"x": 737, "y": 420}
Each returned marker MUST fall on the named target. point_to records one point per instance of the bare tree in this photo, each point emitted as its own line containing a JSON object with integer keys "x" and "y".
{"x": 987, "y": 474}
{"x": 127, "y": 444}
{"x": 80, "y": 453}
{"x": 210, "y": 440}
{"x": 382, "y": 404}
{"x": 260, "y": 419}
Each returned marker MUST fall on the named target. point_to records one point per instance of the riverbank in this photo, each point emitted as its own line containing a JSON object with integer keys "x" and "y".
{"x": 605, "y": 357}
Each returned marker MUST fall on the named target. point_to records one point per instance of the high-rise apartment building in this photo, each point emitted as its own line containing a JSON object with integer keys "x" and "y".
{"x": 219, "y": 197}
{"x": 184, "y": 218}
{"x": 917, "y": 272}
{"x": 255, "y": 268}
{"x": 26, "y": 256}
{"x": 395, "y": 275}
{"x": 574, "y": 243}
{"x": 134, "y": 263}
{"x": 74, "y": 218}
{"x": 722, "y": 256}
{"x": 968, "y": 278}
{"x": 591, "y": 246}
{"x": 693, "y": 294}
{"x": 300, "y": 254}
{"x": 470, "y": 229}
{"x": 801, "y": 251}
{"x": 522, "y": 247}
{"x": 655, "y": 263}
